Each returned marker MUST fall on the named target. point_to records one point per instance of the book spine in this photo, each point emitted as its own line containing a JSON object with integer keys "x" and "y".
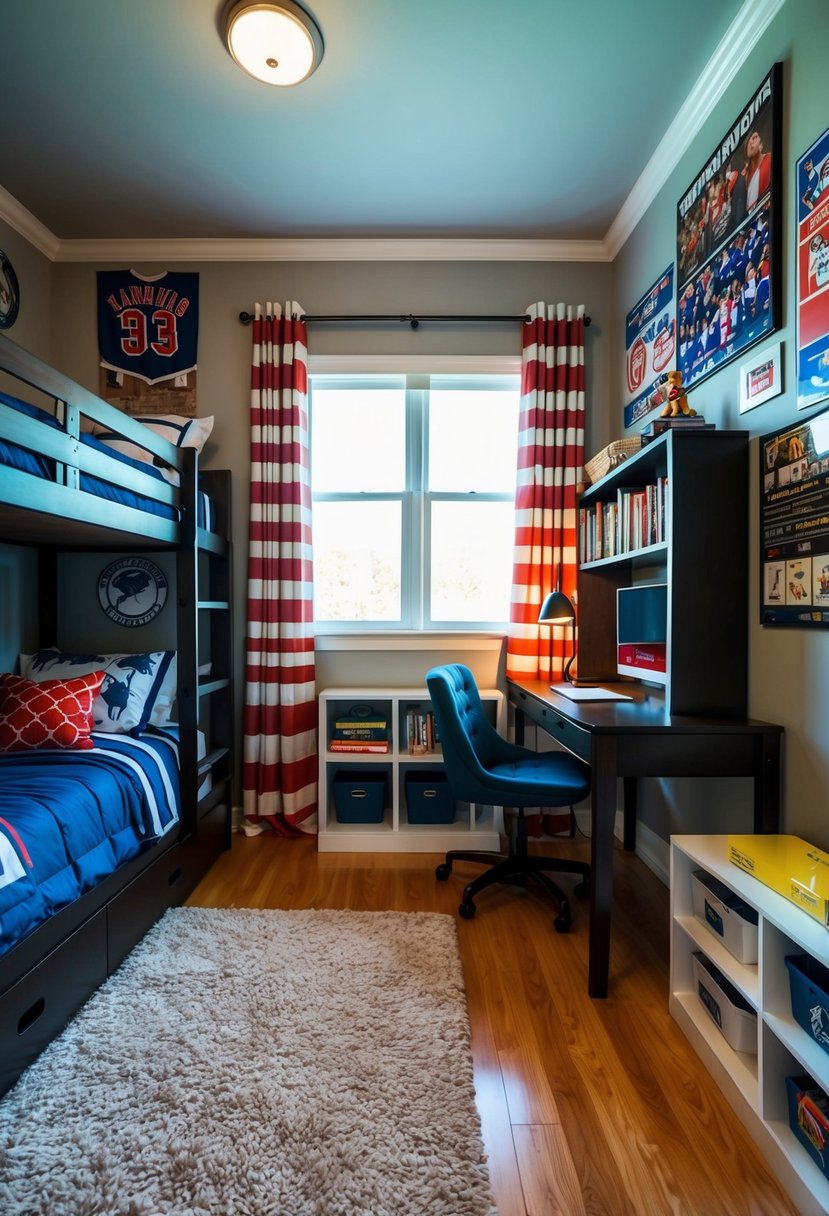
{"x": 345, "y": 745}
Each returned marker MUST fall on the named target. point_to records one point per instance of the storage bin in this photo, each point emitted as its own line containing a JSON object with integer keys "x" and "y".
{"x": 728, "y": 1010}
{"x": 610, "y": 457}
{"x": 360, "y": 797}
{"x": 726, "y": 915}
{"x": 809, "y": 986}
{"x": 809, "y": 1118}
{"x": 429, "y": 798}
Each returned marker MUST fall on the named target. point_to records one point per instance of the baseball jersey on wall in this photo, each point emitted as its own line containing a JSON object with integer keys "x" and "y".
{"x": 148, "y": 325}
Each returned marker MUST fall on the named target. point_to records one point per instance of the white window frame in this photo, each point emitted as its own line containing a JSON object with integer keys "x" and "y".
{"x": 350, "y": 371}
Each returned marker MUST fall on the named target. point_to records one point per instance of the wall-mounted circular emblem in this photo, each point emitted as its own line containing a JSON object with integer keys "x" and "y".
{"x": 132, "y": 590}
{"x": 9, "y": 293}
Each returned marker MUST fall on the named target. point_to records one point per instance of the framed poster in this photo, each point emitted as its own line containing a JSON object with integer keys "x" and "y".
{"x": 650, "y": 347}
{"x": 728, "y": 244}
{"x": 813, "y": 274}
{"x": 761, "y": 378}
{"x": 794, "y": 524}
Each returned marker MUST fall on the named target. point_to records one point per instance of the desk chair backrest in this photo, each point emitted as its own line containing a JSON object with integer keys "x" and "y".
{"x": 469, "y": 741}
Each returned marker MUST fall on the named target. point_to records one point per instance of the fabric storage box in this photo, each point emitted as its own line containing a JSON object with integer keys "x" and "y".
{"x": 429, "y": 798}
{"x": 729, "y": 1011}
{"x": 726, "y": 915}
{"x": 360, "y": 797}
{"x": 809, "y": 1118}
{"x": 809, "y": 985}
{"x": 610, "y": 457}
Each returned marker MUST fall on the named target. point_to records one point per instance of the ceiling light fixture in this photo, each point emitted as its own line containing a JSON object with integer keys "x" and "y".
{"x": 278, "y": 43}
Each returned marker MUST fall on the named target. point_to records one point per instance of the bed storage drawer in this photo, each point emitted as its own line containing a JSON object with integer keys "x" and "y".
{"x": 39, "y": 1005}
{"x": 136, "y": 909}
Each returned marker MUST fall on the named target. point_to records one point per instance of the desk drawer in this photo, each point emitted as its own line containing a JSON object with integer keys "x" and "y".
{"x": 557, "y": 727}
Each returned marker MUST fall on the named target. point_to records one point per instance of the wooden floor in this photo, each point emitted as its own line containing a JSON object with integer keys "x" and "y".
{"x": 588, "y": 1108}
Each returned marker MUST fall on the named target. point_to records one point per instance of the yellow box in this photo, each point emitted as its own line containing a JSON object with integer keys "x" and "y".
{"x": 791, "y": 866}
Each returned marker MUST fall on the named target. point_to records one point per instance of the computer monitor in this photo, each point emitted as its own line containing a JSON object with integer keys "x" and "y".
{"x": 642, "y": 631}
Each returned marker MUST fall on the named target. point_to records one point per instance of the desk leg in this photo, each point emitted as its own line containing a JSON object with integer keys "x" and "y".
{"x": 629, "y": 818}
{"x": 767, "y": 782}
{"x": 604, "y": 768}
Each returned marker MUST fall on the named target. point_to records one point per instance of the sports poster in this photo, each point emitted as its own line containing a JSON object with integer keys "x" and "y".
{"x": 650, "y": 347}
{"x": 813, "y": 274}
{"x": 728, "y": 246}
{"x": 148, "y": 329}
{"x": 794, "y": 524}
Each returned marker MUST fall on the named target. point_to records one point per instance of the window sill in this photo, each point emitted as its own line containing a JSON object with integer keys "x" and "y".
{"x": 410, "y": 640}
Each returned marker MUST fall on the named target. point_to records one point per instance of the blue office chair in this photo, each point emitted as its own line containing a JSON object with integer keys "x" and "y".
{"x": 483, "y": 767}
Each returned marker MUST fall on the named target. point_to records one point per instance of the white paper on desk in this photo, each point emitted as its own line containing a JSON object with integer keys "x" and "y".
{"x": 589, "y": 694}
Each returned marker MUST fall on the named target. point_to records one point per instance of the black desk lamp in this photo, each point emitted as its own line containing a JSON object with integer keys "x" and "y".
{"x": 558, "y": 610}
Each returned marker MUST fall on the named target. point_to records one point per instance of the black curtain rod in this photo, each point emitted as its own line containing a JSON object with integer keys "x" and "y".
{"x": 414, "y": 321}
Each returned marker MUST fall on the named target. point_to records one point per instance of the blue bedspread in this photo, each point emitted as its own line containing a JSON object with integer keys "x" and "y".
{"x": 68, "y": 819}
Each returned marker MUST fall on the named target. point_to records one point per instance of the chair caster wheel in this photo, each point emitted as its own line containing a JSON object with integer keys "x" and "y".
{"x": 562, "y": 922}
{"x": 467, "y": 909}
{"x": 583, "y": 888}
{"x": 443, "y": 871}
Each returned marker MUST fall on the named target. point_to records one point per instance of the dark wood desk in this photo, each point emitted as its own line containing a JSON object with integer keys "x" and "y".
{"x": 631, "y": 739}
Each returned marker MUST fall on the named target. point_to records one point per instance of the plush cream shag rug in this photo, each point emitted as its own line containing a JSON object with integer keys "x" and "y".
{"x": 247, "y": 1063}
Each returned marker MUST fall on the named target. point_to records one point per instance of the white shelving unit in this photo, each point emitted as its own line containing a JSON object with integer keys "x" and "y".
{"x": 472, "y": 828}
{"x": 754, "y": 1084}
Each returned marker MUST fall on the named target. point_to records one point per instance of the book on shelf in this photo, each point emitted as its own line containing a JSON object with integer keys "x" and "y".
{"x": 634, "y": 520}
{"x": 352, "y": 745}
{"x": 361, "y": 723}
{"x": 421, "y": 736}
{"x": 366, "y": 734}
{"x": 658, "y": 426}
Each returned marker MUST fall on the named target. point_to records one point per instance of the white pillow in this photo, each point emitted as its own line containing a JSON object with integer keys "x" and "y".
{"x": 132, "y": 682}
{"x": 181, "y": 432}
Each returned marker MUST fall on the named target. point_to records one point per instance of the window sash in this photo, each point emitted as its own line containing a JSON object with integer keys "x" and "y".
{"x": 416, "y": 500}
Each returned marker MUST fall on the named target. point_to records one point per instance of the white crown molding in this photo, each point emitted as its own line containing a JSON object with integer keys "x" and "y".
{"x": 22, "y": 221}
{"x": 742, "y": 35}
{"x": 745, "y": 30}
{"x": 331, "y": 250}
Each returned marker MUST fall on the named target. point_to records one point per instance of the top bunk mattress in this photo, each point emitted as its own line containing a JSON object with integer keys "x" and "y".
{"x": 13, "y": 455}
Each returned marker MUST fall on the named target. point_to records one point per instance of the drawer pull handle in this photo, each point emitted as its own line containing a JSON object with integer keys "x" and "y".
{"x": 31, "y": 1015}
{"x": 174, "y": 877}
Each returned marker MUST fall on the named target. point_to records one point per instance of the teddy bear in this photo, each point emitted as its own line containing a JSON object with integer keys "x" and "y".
{"x": 675, "y": 400}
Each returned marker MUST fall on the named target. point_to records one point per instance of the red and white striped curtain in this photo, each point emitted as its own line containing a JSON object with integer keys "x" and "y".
{"x": 550, "y": 460}
{"x": 280, "y": 740}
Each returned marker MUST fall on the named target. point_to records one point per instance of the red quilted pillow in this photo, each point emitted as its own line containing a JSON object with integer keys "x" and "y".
{"x": 52, "y": 713}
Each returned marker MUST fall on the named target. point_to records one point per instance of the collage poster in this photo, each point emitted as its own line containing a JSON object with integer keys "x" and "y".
{"x": 650, "y": 347}
{"x": 728, "y": 294}
{"x": 813, "y": 274}
{"x": 794, "y": 524}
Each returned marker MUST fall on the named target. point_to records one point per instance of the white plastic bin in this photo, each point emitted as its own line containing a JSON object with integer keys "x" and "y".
{"x": 726, "y": 916}
{"x": 728, "y": 1010}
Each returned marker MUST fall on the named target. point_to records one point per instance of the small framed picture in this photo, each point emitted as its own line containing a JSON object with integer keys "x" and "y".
{"x": 761, "y": 378}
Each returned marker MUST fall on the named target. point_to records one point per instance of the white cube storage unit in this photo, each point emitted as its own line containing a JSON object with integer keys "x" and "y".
{"x": 411, "y": 751}
{"x": 773, "y": 1045}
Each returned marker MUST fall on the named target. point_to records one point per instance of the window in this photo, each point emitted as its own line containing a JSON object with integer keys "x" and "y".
{"x": 413, "y": 481}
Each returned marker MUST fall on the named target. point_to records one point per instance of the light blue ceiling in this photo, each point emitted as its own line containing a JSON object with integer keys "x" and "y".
{"x": 427, "y": 118}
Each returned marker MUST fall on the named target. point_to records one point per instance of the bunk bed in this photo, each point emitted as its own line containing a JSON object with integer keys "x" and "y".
{"x": 132, "y": 818}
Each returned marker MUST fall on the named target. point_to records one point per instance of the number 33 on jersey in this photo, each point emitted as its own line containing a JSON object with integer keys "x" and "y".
{"x": 148, "y": 325}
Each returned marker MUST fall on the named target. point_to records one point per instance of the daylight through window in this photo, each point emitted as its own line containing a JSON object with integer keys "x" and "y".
{"x": 413, "y": 481}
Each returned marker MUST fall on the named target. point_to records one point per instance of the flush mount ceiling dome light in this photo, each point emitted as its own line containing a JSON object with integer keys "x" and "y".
{"x": 278, "y": 43}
